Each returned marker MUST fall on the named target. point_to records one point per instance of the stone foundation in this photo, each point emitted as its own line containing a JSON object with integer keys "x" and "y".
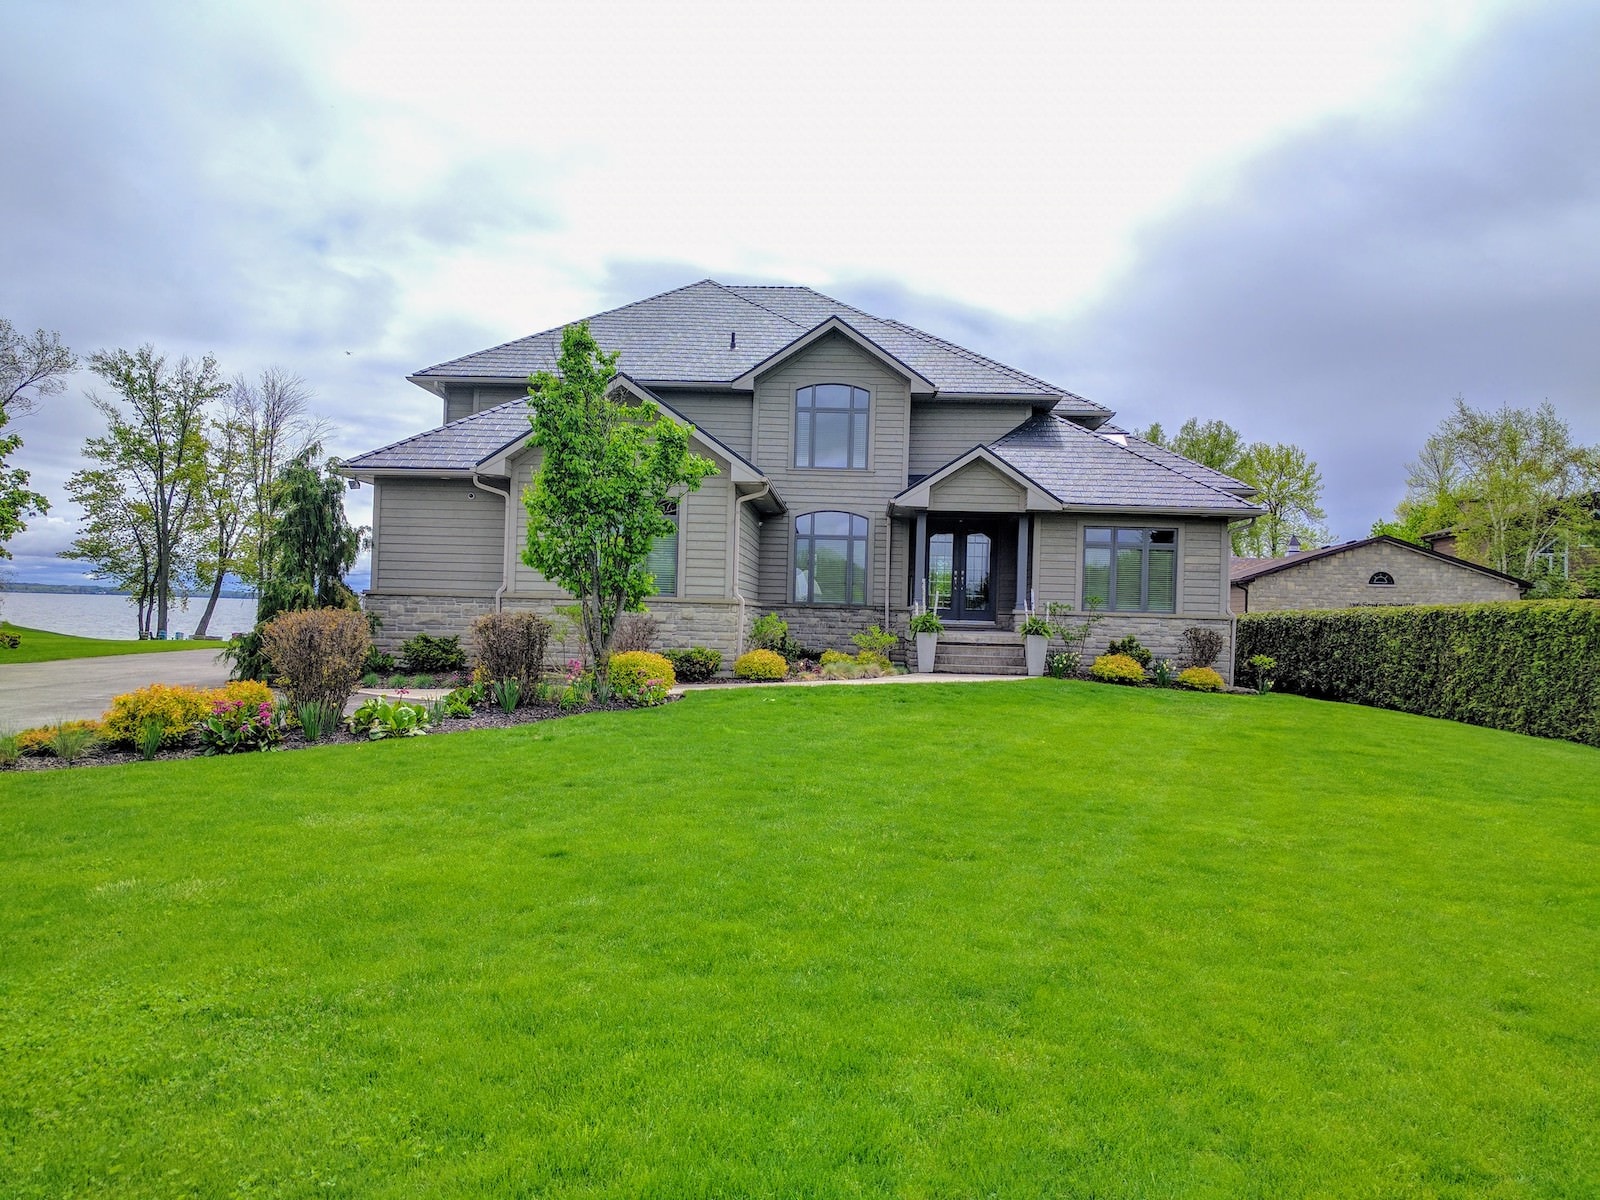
{"x": 1160, "y": 634}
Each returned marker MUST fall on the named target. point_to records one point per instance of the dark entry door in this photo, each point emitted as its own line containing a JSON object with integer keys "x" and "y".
{"x": 961, "y": 570}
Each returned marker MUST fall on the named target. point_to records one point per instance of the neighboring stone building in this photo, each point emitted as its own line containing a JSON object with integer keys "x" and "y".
{"x": 1376, "y": 571}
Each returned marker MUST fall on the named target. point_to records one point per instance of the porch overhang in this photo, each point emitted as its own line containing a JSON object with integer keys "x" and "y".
{"x": 921, "y": 497}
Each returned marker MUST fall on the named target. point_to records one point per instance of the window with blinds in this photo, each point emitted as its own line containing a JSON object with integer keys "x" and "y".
{"x": 1130, "y": 570}
{"x": 830, "y": 426}
{"x": 662, "y": 561}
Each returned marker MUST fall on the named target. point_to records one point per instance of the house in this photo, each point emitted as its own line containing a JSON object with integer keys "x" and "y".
{"x": 864, "y": 468}
{"x": 1374, "y": 571}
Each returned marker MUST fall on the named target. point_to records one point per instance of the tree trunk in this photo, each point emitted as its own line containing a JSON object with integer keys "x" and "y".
{"x": 211, "y": 607}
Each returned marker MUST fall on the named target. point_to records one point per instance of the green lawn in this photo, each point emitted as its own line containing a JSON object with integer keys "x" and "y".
{"x": 40, "y": 645}
{"x": 972, "y": 940}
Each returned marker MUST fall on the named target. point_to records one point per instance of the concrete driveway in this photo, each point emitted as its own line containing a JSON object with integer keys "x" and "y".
{"x": 79, "y": 688}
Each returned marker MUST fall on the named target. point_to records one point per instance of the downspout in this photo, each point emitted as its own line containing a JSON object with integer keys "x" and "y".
{"x": 505, "y": 553}
{"x": 738, "y": 536}
{"x": 888, "y": 553}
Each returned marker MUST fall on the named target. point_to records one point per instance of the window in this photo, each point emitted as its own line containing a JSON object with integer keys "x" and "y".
{"x": 1381, "y": 579}
{"x": 1130, "y": 570}
{"x": 662, "y": 561}
{"x": 830, "y": 426}
{"x": 830, "y": 558}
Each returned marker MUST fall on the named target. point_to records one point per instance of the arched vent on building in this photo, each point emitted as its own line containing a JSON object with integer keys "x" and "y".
{"x": 1381, "y": 579}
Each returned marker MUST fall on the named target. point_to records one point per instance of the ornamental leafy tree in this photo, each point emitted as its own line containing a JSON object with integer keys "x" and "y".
{"x": 598, "y": 501}
{"x": 312, "y": 545}
{"x": 1289, "y": 486}
{"x": 1214, "y": 444}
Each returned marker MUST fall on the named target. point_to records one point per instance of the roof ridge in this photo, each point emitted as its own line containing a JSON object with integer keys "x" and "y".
{"x": 771, "y": 311}
{"x": 554, "y": 328}
{"x": 976, "y": 356}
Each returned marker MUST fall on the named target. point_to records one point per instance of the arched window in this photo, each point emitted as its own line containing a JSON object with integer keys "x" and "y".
{"x": 830, "y": 426}
{"x": 830, "y": 558}
{"x": 1381, "y": 579}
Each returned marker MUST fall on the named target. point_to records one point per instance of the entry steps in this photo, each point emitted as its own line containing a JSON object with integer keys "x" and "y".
{"x": 978, "y": 652}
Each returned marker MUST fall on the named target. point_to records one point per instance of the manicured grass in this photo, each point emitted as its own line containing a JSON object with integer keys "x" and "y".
{"x": 1004, "y": 939}
{"x": 40, "y": 645}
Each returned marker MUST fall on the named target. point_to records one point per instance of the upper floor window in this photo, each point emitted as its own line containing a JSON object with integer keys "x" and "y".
{"x": 662, "y": 561}
{"x": 830, "y": 558}
{"x": 1130, "y": 570}
{"x": 1381, "y": 579}
{"x": 830, "y": 426}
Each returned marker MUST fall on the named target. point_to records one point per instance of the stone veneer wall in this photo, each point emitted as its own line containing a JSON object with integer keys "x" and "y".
{"x": 1340, "y": 581}
{"x": 1161, "y": 635}
{"x": 713, "y": 623}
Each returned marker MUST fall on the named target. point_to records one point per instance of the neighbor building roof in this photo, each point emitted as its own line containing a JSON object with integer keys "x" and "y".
{"x": 1242, "y": 570}
{"x": 710, "y": 334}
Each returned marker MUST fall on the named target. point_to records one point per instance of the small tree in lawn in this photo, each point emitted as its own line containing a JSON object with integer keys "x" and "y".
{"x": 598, "y": 500}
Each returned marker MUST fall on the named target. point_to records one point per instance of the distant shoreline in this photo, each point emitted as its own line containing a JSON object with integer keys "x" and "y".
{"x": 71, "y": 589}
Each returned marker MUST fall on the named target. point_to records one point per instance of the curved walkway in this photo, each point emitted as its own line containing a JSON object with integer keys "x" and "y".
{"x": 77, "y": 689}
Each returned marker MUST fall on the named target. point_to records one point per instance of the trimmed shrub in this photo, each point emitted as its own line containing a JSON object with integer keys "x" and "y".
{"x": 1130, "y": 647}
{"x": 1201, "y": 679}
{"x": 1117, "y": 668}
{"x": 243, "y": 691}
{"x": 762, "y": 665}
{"x": 694, "y": 665}
{"x": 510, "y": 645}
{"x": 176, "y": 709}
{"x": 1526, "y": 666}
{"x": 770, "y": 632}
{"x": 631, "y": 670}
{"x": 1201, "y": 646}
{"x": 635, "y": 631}
{"x": 829, "y": 657}
{"x": 318, "y": 653}
{"x": 432, "y": 655}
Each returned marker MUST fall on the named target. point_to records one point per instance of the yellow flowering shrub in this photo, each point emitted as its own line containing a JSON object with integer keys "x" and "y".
{"x": 38, "y": 741}
{"x": 764, "y": 665}
{"x": 178, "y": 709}
{"x": 1201, "y": 679}
{"x": 1117, "y": 668}
{"x": 632, "y": 669}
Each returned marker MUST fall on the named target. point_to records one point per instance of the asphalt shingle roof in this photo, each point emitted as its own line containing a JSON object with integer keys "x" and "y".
{"x": 1082, "y": 468}
{"x": 683, "y": 337}
{"x": 1184, "y": 466}
{"x": 458, "y": 446}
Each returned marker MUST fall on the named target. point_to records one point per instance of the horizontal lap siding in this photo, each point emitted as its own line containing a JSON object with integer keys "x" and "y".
{"x": 525, "y": 580}
{"x": 1205, "y": 564}
{"x": 438, "y": 536}
{"x": 942, "y": 432}
{"x": 833, "y": 359}
{"x": 703, "y": 526}
{"x": 977, "y": 488}
{"x": 749, "y": 552}
{"x": 1056, "y": 548}
{"x": 726, "y": 418}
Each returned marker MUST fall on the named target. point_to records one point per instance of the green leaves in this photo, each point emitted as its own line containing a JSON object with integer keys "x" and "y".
{"x": 598, "y": 500}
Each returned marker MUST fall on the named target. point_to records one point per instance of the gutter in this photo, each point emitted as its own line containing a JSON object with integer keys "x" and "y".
{"x": 505, "y": 557}
{"x": 738, "y": 533}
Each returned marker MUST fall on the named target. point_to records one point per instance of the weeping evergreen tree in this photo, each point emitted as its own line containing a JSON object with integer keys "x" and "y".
{"x": 311, "y": 547}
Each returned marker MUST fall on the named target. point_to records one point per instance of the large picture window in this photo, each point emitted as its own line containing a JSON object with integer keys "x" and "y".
{"x": 830, "y": 558}
{"x": 662, "y": 561}
{"x": 1130, "y": 570}
{"x": 830, "y": 426}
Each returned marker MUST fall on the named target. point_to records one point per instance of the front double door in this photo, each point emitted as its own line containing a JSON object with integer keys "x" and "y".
{"x": 961, "y": 569}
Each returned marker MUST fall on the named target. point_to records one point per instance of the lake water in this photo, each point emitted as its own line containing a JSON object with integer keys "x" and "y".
{"x": 99, "y": 616}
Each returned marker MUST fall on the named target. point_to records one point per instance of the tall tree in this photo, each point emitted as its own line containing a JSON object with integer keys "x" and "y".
{"x": 274, "y": 413}
{"x": 115, "y": 537}
{"x": 1214, "y": 444}
{"x": 597, "y": 503}
{"x": 1513, "y": 485}
{"x": 222, "y": 510}
{"x": 29, "y": 368}
{"x": 311, "y": 546}
{"x": 1289, "y": 486}
{"x": 155, "y": 444}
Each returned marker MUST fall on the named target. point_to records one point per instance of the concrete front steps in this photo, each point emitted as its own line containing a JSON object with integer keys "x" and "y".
{"x": 978, "y": 652}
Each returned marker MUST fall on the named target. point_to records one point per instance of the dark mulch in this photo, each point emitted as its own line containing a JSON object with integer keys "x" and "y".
{"x": 104, "y": 754}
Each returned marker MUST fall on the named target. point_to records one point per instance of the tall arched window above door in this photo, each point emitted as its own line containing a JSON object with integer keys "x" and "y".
{"x": 830, "y": 426}
{"x": 830, "y": 558}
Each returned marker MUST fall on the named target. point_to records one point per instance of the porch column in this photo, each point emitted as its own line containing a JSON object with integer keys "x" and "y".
{"x": 1023, "y": 600}
{"x": 919, "y": 584}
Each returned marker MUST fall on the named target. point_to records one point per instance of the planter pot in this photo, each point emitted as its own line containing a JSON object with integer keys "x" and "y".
{"x": 927, "y": 644}
{"x": 1034, "y": 647}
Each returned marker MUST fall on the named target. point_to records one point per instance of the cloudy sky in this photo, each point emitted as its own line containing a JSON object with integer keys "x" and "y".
{"x": 1319, "y": 221}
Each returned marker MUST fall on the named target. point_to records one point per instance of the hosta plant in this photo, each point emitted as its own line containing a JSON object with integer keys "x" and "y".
{"x": 380, "y": 718}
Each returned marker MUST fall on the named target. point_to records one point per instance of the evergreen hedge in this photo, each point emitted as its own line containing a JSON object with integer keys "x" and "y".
{"x": 1530, "y": 666}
